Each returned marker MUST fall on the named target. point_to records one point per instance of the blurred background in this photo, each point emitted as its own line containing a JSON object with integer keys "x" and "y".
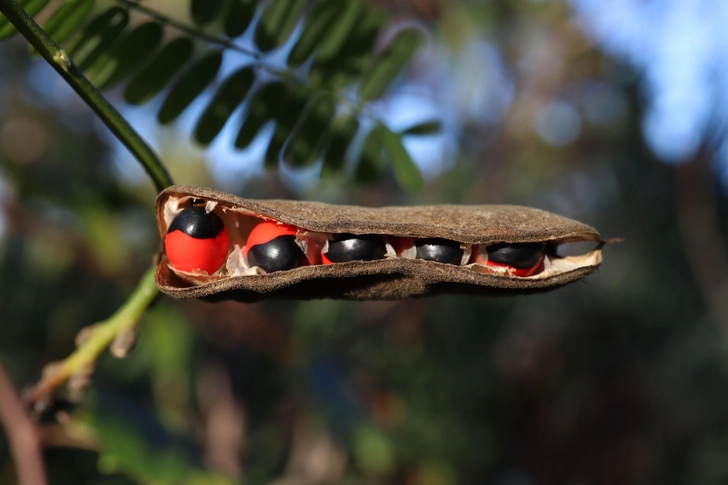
{"x": 612, "y": 113}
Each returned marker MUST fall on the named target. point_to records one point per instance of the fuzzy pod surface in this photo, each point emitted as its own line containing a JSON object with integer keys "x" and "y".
{"x": 397, "y": 275}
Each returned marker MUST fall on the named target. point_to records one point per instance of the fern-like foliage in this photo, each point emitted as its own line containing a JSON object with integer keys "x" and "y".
{"x": 317, "y": 101}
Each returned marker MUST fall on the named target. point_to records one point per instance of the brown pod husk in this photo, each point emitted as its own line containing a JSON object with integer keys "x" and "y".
{"x": 384, "y": 279}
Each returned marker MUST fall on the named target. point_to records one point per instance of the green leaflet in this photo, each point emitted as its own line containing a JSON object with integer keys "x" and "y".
{"x": 277, "y": 22}
{"x": 346, "y": 66}
{"x": 426, "y": 128}
{"x": 98, "y": 36}
{"x": 389, "y": 63}
{"x": 147, "y": 83}
{"x": 227, "y": 98}
{"x": 339, "y": 30}
{"x": 204, "y": 11}
{"x": 115, "y": 65}
{"x": 371, "y": 163}
{"x": 295, "y": 103}
{"x": 306, "y": 142}
{"x": 327, "y": 27}
{"x": 239, "y": 16}
{"x": 342, "y": 133}
{"x": 31, "y": 7}
{"x": 189, "y": 86}
{"x": 262, "y": 108}
{"x": 66, "y": 20}
{"x": 406, "y": 173}
{"x": 319, "y": 19}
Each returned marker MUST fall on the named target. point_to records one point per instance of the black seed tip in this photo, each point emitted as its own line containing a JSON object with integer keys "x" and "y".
{"x": 198, "y": 223}
{"x": 350, "y": 247}
{"x": 279, "y": 254}
{"x": 518, "y": 255}
{"x": 440, "y": 250}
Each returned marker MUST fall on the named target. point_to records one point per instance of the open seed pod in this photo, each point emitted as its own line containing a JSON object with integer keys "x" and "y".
{"x": 397, "y": 252}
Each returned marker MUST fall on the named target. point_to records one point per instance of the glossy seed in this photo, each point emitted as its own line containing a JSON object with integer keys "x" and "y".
{"x": 197, "y": 222}
{"x": 517, "y": 255}
{"x": 279, "y": 254}
{"x": 350, "y": 247}
{"x": 197, "y": 240}
{"x": 440, "y": 250}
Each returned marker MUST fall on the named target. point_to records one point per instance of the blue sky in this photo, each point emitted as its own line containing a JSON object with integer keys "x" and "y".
{"x": 679, "y": 47}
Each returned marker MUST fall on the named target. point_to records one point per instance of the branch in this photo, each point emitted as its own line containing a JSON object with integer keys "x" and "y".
{"x": 99, "y": 337}
{"x": 57, "y": 57}
{"x": 121, "y": 326}
{"x": 22, "y": 435}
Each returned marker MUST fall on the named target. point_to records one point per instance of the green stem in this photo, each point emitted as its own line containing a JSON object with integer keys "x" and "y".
{"x": 56, "y": 57}
{"x": 100, "y": 338}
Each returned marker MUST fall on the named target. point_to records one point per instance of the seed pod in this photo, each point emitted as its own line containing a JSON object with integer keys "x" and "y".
{"x": 470, "y": 230}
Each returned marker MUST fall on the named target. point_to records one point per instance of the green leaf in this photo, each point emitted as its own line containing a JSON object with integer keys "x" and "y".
{"x": 427, "y": 128}
{"x": 286, "y": 120}
{"x": 405, "y": 171}
{"x": 114, "y": 66}
{"x": 340, "y": 29}
{"x": 342, "y": 133}
{"x": 277, "y": 22}
{"x": 66, "y": 20}
{"x": 148, "y": 82}
{"x": 317, "y": 23}
{"x": 31, "y": 7}
{"x": 307, "y": 141}
{"x": 98, "y": 36}
{"x": 371, "y": 164}
{"x": 239, "y": 16}
{"x": 346, "y": 67}
{"x": 389, "y": 63}
{"x": 189, "y": 86}
{"x": 204, "y": 11}
{"x": 262, "y": 108}
{"x": 227, "y": 98}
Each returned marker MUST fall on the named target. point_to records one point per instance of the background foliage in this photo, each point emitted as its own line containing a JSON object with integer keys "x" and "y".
{"x": 619, "y": 379}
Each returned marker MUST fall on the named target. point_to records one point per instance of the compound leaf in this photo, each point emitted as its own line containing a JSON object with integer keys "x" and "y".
{"x": 189, "y": 86}
{"x": 148, "y": 82}
{"x": 232, "y": 92}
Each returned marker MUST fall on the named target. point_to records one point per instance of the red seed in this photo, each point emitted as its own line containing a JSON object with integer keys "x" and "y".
{"x": 189, "y": 254}
{"x": 482, "y": 258}
{"x": 266, "y": 231}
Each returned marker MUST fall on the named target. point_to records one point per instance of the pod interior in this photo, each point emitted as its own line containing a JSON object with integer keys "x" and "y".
{"x": 240, "y": 221}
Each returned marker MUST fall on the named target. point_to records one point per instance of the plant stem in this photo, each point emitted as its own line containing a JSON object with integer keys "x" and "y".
{"x": 22, "y": 435}
{"x": 99, "y": 338}
{"x": 62, "y": 63}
